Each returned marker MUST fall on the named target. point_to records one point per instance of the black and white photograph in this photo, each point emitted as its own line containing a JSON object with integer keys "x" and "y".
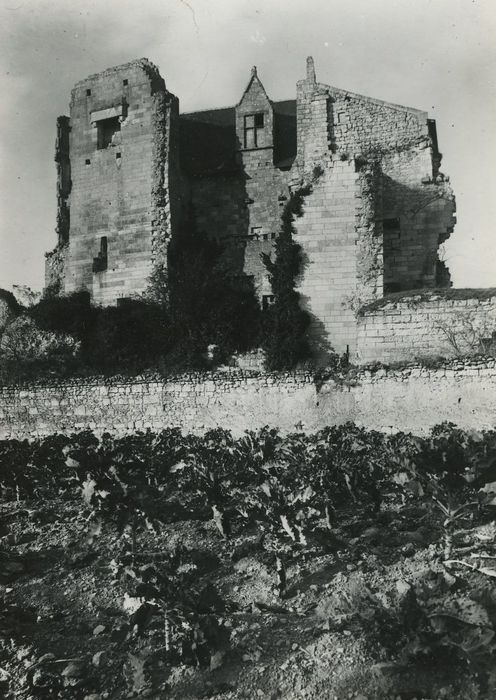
{"x": 247, "y": 349}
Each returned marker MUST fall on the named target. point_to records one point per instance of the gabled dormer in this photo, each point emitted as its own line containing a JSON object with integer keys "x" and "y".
{"x": 254, "y": 117}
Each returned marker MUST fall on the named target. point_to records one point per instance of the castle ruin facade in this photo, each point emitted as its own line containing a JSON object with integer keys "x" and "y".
{"x": 131, "y": 168}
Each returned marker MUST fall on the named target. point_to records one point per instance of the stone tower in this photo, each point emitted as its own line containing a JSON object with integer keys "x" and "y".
{"x": 116, "y": 201}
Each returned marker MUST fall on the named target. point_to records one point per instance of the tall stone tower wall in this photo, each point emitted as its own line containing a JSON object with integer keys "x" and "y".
{"x": 120, "y": 204}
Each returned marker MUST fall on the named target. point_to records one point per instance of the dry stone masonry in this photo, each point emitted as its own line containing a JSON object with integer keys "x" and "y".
{"x": 428, "y": 325}
{"x": 412, "y": 399}
{"x": 130, "y": 168}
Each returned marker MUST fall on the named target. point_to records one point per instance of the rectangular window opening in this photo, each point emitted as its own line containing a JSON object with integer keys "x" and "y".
{"x": 267, "y": 301}
{"x": 253, "y": 125}
{"x": 88, "y": 92}
{"x": 87, "y": 161}
{"x": 107, "y": 128}
{"x": 125, "y": 82}
{"x": 117, "y": 156}
{"x": 101, "y": 261}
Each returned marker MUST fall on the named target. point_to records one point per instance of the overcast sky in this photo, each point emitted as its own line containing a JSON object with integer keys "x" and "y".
{"x": 437, "y": 55}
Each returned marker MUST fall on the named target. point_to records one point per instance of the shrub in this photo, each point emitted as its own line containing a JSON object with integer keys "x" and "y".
{"x": 131, "y": 335}
{"x": 72, "y": 314}
{"x": 9, "y": 308}
{"x": 26, "y": 350}
{"x": 22, "y": 340}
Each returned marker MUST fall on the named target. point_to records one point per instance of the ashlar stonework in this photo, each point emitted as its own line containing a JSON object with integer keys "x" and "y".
{"x": 131, "y": 167}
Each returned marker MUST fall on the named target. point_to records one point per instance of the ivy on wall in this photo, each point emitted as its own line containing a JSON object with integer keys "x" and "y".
{"x": 284, "y": 336}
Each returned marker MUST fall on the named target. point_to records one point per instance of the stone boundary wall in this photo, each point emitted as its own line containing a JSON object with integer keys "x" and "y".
{"x": 421, "y": 326}
{"x": 411, "y": 399}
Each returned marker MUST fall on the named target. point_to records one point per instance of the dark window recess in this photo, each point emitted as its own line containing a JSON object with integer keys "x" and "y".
{"x": 265, "y": 236}
{"x": 87, "y": 161}
{"x": 390, "y": 224}
{"x": 431, "y": 127}
{"x": 392, "y": 287}
{"x": 100, "y": 262}
{"x": 253, "y": 130}
{"x": 107, "y": 128}
{"x": 117, "y": 155}
{"x": 267, "y": 300}
{"x": 125, "y": 82}
{"x": 88, "y": 92}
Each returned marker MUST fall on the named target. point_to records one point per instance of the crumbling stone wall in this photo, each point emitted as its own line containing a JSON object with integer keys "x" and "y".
{"x": 461, "y": 392}
{"x": 403, "y": 206}
{"x": 55, "y": 260}
{"x": 120, "y": 201}
{"x": 62, "y": 159}
{"x": 55, "y": 269}
{"x": 418, "y": 203}
{"x": 365, "y": 125}
{"x": 418, "y": 213}
{"x": 427, "y": 325}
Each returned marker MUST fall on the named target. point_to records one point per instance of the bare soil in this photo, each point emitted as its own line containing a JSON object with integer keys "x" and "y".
{"x": 64, "y": 630}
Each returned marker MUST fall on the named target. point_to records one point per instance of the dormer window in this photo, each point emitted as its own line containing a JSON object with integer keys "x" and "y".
{"x": 253, "y": 130}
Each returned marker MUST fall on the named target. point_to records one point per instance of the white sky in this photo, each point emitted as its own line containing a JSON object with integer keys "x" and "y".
{"x": 437, "y": 55}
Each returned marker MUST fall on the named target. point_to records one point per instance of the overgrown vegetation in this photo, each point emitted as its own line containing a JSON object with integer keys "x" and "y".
{"x": 194, "y": 305}
{"x": 285, "y": 338}
{"x": 468, "y": 335}
{"x": 157, "y": 535}
{"x": 207, "y": 306}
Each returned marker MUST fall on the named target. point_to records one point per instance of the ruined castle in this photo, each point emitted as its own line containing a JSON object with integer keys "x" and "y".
{"x": 130, "y": 167}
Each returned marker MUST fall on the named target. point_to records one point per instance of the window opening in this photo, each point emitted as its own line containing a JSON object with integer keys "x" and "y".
{"x": 253, "y": 130}
{"x": 88, "y": 92}
{"x": 125, "y": 82}
{"x": 267, "y": 301}
{"x": 101, "y": 260}
{"x": 107, "y": 128}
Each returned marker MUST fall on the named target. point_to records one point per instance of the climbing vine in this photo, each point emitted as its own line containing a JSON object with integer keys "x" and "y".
{"x": 285, "y": 329}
